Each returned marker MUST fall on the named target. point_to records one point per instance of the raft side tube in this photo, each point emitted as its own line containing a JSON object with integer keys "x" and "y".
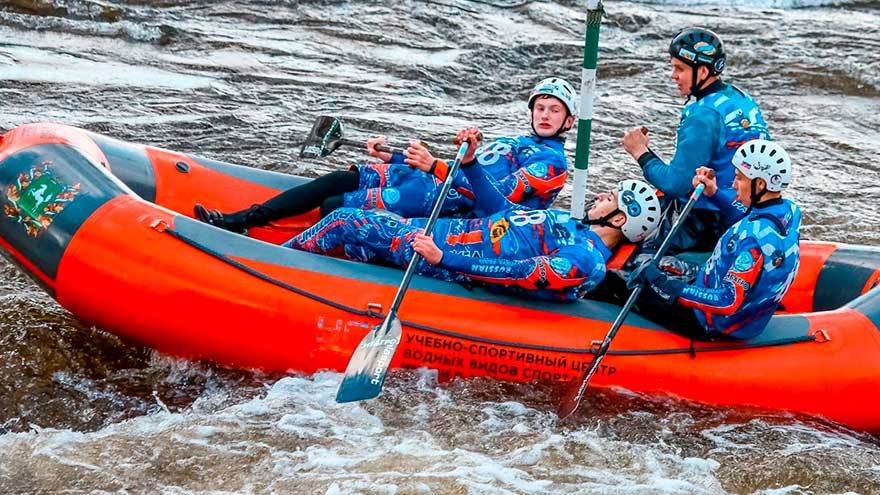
{"x": 47, "y": 191}
{"x": 243, "y": 250}
{"x": 848, "y": 273}
{"x": 869, "y": 305}
{"x": 130, "y": 164}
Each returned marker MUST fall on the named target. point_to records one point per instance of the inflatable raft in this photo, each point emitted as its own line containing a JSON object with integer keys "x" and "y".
{"x": 105, "y": 227}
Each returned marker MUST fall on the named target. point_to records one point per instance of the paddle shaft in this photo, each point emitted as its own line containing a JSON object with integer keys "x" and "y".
{"x": 368, "y": 365}
{"x": 567, "y": 409}
{"x": 429, "y": 227}
{"x": 379, "y": 147}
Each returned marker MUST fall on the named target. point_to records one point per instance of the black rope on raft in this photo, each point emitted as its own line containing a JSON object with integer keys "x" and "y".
{"x": 691, "y": 349}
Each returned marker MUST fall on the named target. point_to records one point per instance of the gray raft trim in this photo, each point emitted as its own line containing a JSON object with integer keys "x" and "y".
{"x": 448, "y": 333}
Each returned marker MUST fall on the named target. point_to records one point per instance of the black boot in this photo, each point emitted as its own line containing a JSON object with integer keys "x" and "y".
{"x": 238, "y": 221}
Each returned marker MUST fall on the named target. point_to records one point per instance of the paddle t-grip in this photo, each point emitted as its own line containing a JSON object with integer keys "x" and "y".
{"x": 457, "y": 141}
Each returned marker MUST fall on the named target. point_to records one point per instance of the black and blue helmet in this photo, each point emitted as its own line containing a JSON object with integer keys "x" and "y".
{"x": 697, "y": 46}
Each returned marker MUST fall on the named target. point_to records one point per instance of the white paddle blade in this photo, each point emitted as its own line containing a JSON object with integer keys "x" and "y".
{"x": 368, "y": 366}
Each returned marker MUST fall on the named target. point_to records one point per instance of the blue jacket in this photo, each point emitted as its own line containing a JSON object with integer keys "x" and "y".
{"x": 711, "y": 129}
{"x": 539, "y": 253}
{"x": 527, "y": 170}
{"x": 751, "y": 269}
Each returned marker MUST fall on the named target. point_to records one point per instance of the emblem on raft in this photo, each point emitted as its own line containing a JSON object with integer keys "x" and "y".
{"x": 36, "y": 197}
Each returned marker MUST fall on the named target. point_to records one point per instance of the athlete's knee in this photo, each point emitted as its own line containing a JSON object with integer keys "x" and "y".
{"x": 332, "y": 204}
{"x": 345, "y": 214}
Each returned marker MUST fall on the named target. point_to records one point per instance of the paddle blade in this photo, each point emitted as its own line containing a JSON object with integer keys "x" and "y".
{"x": 368, "y": 366}
{"x": 576, "y": 389}
{"x": 324, "y": 138}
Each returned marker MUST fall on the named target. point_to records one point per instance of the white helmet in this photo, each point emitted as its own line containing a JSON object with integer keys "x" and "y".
{"x": 558, "y": 88}
{"x": 764, "y": 159}
{"x": 638, "y": 202}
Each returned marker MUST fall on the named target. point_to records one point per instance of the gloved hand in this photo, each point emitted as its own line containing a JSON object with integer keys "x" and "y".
{"x": 644, "y": 274}
{"x": 654, "y": 278}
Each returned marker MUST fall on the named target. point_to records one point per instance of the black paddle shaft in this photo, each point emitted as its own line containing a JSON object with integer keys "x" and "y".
{"x": 429, "y": 227}
{"x": 573, "y": 396}
{"x": 368, "y": 365}
{"x": 379, "y": 147}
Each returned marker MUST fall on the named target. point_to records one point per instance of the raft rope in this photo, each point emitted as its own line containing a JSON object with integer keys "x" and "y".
{"x": 691, "y": 349}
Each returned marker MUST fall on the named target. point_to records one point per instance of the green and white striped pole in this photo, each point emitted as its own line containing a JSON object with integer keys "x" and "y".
{"x": 585, "y": 118}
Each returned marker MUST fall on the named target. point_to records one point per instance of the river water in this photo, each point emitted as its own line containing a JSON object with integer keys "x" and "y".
{"x": 241, "y": 81}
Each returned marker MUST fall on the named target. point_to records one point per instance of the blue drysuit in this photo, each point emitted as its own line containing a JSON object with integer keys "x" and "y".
{"x": 541, "y": 253}
{"x": 528, "y": 170}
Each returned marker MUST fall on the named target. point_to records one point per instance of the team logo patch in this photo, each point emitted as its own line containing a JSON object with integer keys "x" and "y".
{"x": 36, "y": 198}
{"x": 743, "y": 262}
{"x": 704, "y": 48}
{"x": 560, "y": 265}
{"x": 390, "y": 196}
{"x": 539, "y": 169}
{"x": 498, "y": 230}
{"x": 687, "y": 55}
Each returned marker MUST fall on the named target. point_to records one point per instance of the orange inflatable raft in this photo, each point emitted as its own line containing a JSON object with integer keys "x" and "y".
{"x": 104, "y": 226}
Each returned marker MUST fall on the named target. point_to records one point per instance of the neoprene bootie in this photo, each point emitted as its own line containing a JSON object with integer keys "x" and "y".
{"x": 238, "y": 221}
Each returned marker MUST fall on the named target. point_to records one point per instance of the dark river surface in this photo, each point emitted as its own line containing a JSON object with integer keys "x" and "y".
{"x": 82, "y": 412}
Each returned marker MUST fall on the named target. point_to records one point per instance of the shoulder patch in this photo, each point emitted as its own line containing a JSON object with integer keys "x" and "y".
{"x": 744, "y": 261}
{"x": 560, "y": 265}
{"x": 539, "y": 169}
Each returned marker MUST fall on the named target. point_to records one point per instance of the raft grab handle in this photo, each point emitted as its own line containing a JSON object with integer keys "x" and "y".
{"x": 821, "y": 336}
{"x": 375, "y": 310}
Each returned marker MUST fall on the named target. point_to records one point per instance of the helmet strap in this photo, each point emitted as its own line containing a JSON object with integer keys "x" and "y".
{"x": 755, "y": 196}
{"x": 604, "y": 221}
{"x": 696, "y": 86}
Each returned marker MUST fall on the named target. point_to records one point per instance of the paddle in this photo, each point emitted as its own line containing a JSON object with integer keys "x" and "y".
{"x": 368, "y": 366}
{"x": 326, "y": 137}
{"x": 575, "y": 391}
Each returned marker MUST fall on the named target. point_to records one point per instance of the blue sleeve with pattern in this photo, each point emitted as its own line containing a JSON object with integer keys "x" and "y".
{"x": 543, "y": 174}
{"x": 697, "y": 137}
{"x": 730, "y": 208}
{"x": 738, "y": 281}
{"x": 487, "y": 198}
{"x": 569, "y": 271}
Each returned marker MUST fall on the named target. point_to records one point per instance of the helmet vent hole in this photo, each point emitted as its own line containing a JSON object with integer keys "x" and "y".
{"x": 772, "y": 152}
{"x": 780, "y": 161}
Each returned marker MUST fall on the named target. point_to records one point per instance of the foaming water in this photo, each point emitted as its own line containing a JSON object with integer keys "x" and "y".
{"x": 41, "y": 65}
{"x": 85, "y": 412}
{"x": 292, "y": 437}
